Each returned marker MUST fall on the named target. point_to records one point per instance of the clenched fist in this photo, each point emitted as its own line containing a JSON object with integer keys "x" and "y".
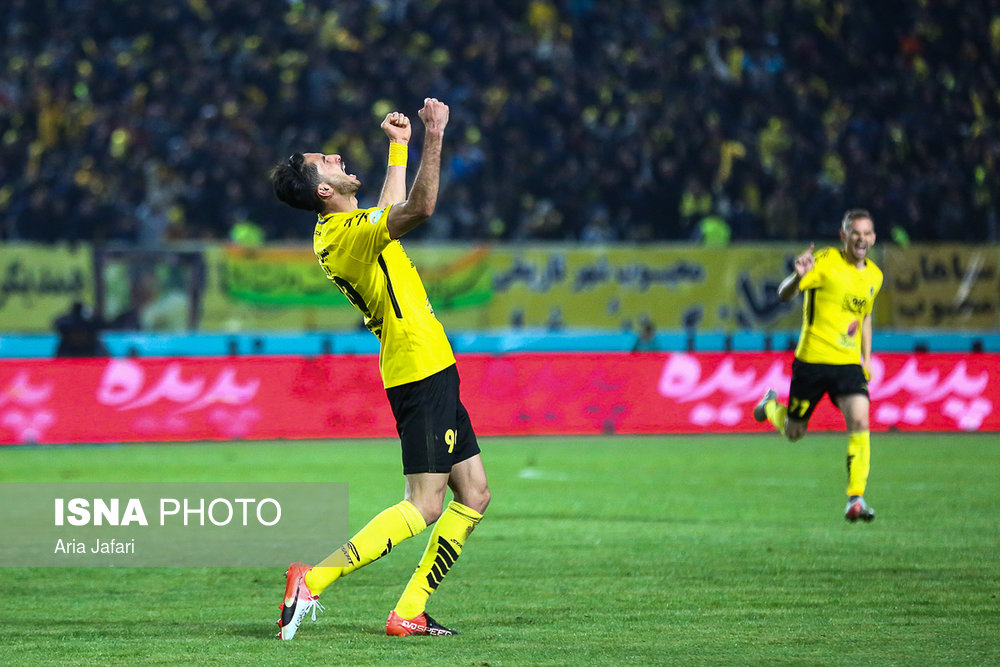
{"x": 434, "y": 114}
{"x": 397, "y": 127}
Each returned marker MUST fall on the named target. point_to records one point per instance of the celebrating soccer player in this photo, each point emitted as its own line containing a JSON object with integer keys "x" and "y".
{"x": 360, "y": 251}
{"x": 835, "y": 347}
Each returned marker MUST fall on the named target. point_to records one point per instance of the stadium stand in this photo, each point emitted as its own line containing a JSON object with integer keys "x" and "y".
{"x": 572, "y": 119}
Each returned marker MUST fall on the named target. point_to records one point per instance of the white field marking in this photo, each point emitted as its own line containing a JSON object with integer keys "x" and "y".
{"x": 535, "y": 473}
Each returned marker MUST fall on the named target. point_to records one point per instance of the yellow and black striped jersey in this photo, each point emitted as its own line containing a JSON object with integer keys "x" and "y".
{"x": 838, "y": 295}
{"x": 375, "y": 274}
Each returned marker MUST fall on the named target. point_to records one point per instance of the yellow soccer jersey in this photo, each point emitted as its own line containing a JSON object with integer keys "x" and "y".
{"x": 838, "y": 295}
{"x": 375, "y": 275}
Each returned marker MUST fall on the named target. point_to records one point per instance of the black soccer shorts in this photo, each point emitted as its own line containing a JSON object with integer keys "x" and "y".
{"x": 811, "y": 381}
{"x": 434, "y": 427}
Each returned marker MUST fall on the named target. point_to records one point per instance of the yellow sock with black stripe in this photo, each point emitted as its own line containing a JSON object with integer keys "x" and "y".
{"x": 858, "y": 462}
{"x": 443, "y": 549}
{"x": 776, "y": 414}
{"x": 387, "y": 529}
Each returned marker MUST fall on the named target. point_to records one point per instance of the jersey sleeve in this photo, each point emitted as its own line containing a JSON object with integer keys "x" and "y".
{"x": 362, "y": 234}
{"x": 814, "y": 278}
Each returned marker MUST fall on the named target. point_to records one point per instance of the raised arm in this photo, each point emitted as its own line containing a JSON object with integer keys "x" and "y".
{"x": 419, "y": 206}
{"x": 397, "y": 127}
{"x": 789, "y": 287}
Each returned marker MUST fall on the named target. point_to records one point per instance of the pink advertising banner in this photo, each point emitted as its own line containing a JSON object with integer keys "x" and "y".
{"x": 225, "y": 398}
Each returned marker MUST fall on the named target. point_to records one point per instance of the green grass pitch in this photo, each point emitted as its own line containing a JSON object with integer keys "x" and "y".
{"x": 693, "y": 550}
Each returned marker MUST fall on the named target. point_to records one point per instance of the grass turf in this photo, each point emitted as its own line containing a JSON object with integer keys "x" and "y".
{"x": 597, "y": 550}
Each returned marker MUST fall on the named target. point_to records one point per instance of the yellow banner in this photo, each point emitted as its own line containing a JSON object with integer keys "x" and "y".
{"x": 538, "y": 285}
{"x": 38, "y": 283}
{"x": 481, "y": 287}
{"x": 616, "y": 287}
{"x": 947, "y": 286}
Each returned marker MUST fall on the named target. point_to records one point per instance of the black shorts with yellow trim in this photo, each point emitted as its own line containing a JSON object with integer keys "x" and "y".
{"x": 434, "y": 427}
{"x": 811, "y": 381}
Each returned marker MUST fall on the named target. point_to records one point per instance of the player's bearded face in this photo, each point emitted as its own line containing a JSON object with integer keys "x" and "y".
{"x": 347, "y": 185}
{"x": 332, "y": 170}
{"x": 341, "y": 181}
{"x": 859, "y": 239}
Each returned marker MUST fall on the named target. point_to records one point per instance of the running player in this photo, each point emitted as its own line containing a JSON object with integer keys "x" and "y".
{"x": 833, "y": 355}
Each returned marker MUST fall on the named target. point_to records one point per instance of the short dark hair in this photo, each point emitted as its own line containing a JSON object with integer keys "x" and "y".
{"x": 295, "y": 183}
{"x": 854, "y": 214}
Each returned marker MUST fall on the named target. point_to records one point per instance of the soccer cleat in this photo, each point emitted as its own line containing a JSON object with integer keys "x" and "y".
{"x": 760, "y": 411}
{"x": 858, "y": 509}
{"x": 420, "y": 625}
{"x": 299, "y": 601}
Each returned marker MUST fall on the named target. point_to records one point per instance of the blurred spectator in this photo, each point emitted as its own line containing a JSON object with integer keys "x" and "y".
{"x": 781, "y": 215}
{"x": 247, "y": 234}
{"x": 900, "y": 237}
{"x": 143, "y": 122}
{"x": 646, "y": 340}
{"x": 79, "y": 334}
{"x": 713, "y": 231}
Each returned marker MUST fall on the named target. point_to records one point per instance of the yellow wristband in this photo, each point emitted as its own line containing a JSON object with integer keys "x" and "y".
{"x": 397, "y": 154}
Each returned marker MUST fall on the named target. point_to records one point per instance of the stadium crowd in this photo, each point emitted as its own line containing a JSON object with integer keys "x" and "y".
{"x": 571, "y": 119}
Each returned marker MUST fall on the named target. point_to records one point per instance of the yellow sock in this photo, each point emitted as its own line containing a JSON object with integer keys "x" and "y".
{"x": 858, "y": 462}
{"x": 776, "y": 414}
{"x": 390, "y": 527}
{"x": 443, "y": 549}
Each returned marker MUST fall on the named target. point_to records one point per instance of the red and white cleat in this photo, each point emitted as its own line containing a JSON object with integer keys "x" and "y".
{"x": 858, "y": 509}
{"x": 298, "y": 602}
